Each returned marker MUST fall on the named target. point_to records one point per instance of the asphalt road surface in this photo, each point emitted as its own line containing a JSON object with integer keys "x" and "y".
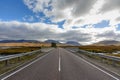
{"x": 60, "y": 64}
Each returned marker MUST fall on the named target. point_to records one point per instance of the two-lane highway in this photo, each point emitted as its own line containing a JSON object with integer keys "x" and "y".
{"x": 76, "y": 68}
{"x": 60, "y": 64}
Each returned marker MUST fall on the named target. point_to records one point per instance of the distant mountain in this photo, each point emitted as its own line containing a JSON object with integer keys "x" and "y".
{"x": 18, "y": 41}
{"x": 107, "y": 42}
{"x": 73, "y": 43}
{"x": 51, "y": 41}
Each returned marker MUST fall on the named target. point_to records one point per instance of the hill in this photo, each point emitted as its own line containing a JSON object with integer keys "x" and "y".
{"x": 74, "y": 43}
{"x": 107, "y": 42}
{"x": 18, "y": 41}
{"x": 51, "y": 41}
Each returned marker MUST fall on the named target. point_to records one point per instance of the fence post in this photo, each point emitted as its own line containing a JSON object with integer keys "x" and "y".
{"x": 18, "y": 58}
{"x": 6, "y": 62}
{"x": 113, "y": 63}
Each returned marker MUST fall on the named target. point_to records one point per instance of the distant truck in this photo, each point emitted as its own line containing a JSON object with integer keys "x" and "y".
{"x": 53, "y": 45}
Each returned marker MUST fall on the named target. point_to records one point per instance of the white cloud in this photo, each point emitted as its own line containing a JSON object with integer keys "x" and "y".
{"x": 111, "y": 5}
{"x": 20, "y": 30}
{"x": 76, "y": 13}
{"x": 37, "y": 5}
{"x": 42, "y": 31}
{"x": 28, "y": 18}
{"x": 74, "y": 8}
{"x": 39, "y": 31}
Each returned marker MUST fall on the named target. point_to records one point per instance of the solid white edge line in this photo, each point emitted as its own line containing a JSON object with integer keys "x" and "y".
{"x": 24, "y": 67}
{"x": 96, "y": 67}
{"x": 59, "y": 67}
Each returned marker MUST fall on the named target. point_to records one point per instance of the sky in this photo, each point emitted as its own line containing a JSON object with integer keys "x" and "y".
{"x": 84, "y": 21}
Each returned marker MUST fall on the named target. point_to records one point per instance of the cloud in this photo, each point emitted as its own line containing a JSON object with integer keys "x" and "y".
{"x": 42, "y": 31}
{"x": 109, "y": 35}
{"x": 76, "y": 35}
{"x": 39, "y": 31}
{"x": 37, "y": 5}
{"x": 79, "y": 16}
{"x": 111, "y": 5}
{"x": 20, "y": 30}
{"x": 61, "y": 9}
{"x": 77, "y": 12}
{"x": 28, "y": 18}
{"x": 75, "y": 7}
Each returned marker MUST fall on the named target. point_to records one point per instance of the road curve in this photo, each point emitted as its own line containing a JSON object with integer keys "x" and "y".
{"x": 60, "y": 64}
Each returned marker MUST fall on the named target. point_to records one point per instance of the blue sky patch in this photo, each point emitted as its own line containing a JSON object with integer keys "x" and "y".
{"x": 118, "y": 28}
{"x": 102, "y": 24}
{"x": 61, "y": 24}
{"x": 10, "y": 12}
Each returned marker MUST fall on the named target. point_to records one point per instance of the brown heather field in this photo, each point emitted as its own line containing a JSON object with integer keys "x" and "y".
{"x": 24, "y": 44}
{"x": 101, "y": 49}
{"x": 10, "y": 51}
{"x": 15, "y": 48}
{"x": 41, "y": 44}
{"x": 117, "y": 55}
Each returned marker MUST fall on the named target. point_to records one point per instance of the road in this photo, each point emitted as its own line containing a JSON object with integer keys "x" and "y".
{"x": 60, "y": 64}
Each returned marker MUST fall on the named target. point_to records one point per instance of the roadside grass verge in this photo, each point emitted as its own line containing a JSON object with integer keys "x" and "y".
{"x": 101, "y": 49}
{"x": 11, "y": 51}
{"x": 101, "y": 59}
{"x": 15, "y": 62}
{"x": 117, "y": 55}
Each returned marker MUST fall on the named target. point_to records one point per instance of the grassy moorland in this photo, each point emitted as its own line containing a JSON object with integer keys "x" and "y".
{"x": 109, "y": 50}
{"x": 117, "y": 55}
{"x": 101, "y": 49}
{"x": 24, "y": 44}
{"x": 10, "y": 51}
{"x": 15, "y": 62}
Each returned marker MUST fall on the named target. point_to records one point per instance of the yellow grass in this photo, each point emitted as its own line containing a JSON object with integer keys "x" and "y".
{"x": 24, "y": 44}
